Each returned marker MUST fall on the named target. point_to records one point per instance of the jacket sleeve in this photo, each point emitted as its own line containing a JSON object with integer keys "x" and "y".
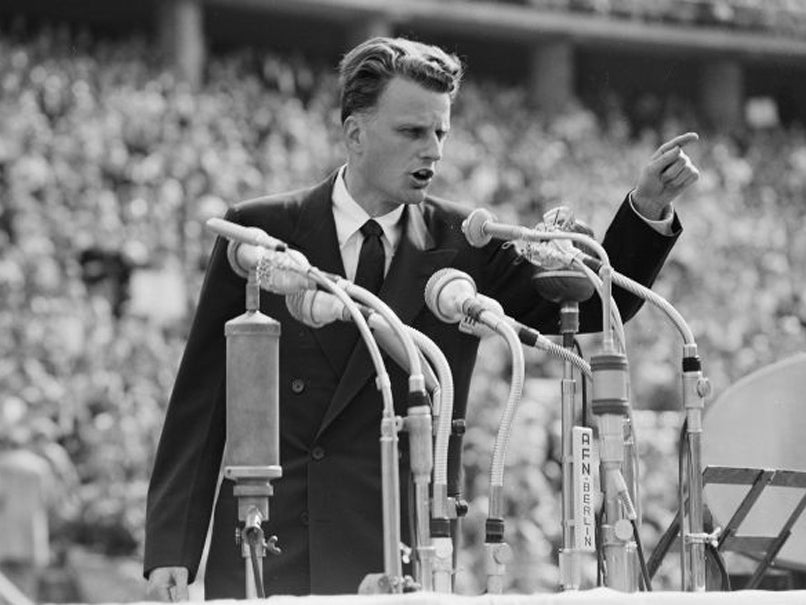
{"x": 188, "y": 458}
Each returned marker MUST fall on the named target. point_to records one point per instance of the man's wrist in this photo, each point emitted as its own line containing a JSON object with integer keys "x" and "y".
{"x": 662, "y": 225}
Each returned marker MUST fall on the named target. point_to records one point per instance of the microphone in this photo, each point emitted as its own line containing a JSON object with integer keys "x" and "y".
{"x": 480, "y": 227}
{"x": 479, "y": 329}
{"x": 279, "y": 269}
{"x": 450, "y": 294}
{"x": 558, "y": 279}
{"x": 252, "y": 236}
{"x": 474, "y": 227}
{"x": 280, "y": 272}
{"x": 316, "y": 308}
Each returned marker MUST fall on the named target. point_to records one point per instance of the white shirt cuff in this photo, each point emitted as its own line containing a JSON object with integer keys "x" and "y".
{"x": 663, "y": 225}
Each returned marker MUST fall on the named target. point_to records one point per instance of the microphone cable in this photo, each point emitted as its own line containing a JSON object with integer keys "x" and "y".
{"x": 253, "y": 537}
{"x": 646, "y": 581}
{"x": 711, "y": 549}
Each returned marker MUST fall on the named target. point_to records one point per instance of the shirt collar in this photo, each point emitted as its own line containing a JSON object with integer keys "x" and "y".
{"x": 349, "y": 215}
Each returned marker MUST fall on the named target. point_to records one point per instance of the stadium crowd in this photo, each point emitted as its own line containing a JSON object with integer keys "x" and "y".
{"x": 109, "y": 168}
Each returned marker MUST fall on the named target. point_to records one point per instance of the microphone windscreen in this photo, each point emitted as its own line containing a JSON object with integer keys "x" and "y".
{"x": 473, "y": 227}
{"x": 569, "y": 285}
{"x": 448, "y": 310}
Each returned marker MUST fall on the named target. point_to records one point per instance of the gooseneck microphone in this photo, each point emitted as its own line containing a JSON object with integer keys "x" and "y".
{"x": 480, "y": 227}
{"x": 278, "y": 268}
{"x": 316, "y": 309}
{"x": 451, "y": 294}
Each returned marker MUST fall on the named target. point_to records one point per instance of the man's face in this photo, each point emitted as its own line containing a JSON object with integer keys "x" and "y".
{"x": 394, "y": 149}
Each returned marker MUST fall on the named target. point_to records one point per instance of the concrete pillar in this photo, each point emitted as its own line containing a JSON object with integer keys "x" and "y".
{"x": 551, "y": 78}
{"x": 722, "y": 94}
{"x": 365, "y": 29}
{"x": 181, "y": 31}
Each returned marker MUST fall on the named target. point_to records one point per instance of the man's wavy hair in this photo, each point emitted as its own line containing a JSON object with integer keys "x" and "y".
{"x": 366, "y": 70}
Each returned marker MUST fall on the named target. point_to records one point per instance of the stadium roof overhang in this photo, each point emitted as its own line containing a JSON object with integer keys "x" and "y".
{"x": 515, "y": 22}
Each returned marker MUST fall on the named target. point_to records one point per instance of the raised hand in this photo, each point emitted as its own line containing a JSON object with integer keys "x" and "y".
{"x": 667, "y": 174}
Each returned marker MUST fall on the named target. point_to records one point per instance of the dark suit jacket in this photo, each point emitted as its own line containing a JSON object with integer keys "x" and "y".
{"x": 326, "y": 509}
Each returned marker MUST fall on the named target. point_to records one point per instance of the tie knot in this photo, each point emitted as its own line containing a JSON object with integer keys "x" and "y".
{"x": 371, "y": 229}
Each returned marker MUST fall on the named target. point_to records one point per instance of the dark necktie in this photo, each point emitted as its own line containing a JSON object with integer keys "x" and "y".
{"x": 371, "y": 259}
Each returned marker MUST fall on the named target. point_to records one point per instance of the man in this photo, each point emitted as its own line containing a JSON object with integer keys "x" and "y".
{"x": 326, "y": 510}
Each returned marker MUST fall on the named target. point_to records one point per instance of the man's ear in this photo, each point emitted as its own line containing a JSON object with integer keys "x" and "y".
{"x": 352, "y": 127}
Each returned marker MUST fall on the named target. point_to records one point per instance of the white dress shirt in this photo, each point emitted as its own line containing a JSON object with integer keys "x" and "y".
{"x": 349, "y": 217}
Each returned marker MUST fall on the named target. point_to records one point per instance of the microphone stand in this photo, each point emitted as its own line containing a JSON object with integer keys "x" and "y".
{"x": 252, "y": 349}
{"x": 390, "y": 473}
{"x": 695, "y": 389}
{"x": 610, "y": 402}
{"x": 436, "y": 559}
{"x": 497, "y": 552}
{"x": 569, "y": 288}
{"x": 419, "y": 424}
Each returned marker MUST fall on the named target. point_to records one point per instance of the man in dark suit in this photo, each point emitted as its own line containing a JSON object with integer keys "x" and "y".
{"x": 326, "y": 509}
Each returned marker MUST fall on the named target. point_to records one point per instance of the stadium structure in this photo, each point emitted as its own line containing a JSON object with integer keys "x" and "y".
{"x": 713, "y": 54}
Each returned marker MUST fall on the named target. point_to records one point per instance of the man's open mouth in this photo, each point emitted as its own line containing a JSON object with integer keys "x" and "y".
{"x": 424, "y": 175}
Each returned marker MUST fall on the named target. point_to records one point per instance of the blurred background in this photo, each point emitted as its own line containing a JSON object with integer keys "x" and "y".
{"x": 124, "y": 126}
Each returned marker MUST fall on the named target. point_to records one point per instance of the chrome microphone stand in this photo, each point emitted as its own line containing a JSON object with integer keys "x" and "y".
{"x": 695, "y": 389}
{"x": 419, "y": 424}
{"x": 569, "y": 288}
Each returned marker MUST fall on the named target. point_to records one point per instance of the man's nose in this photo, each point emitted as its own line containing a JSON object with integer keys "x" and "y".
{"x": 432, "y": 149}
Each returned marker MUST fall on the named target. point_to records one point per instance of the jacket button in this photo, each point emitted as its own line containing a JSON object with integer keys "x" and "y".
{"x": 318, "y": 453}
{"x": 297, "y": 385}
{"x": 303, "y": 518}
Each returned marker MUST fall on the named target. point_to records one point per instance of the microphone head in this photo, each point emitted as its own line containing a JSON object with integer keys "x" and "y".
{"x": 446, "y": 291}
{"x": 473, "y": 227}
{"x": 284, "y": 272}
{"x": 300, "y": 306}
{"x": 563, "y": 285}
{"x": 558, "y": 279}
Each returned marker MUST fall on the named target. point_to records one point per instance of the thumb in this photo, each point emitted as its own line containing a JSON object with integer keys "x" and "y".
{"x": 180, "y": 589}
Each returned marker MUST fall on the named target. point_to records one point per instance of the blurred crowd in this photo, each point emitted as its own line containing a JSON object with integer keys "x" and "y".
{"x": 109, "y": 168}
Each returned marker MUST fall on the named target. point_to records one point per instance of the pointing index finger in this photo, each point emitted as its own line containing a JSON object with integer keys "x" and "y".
{"x": 680, "y": 140}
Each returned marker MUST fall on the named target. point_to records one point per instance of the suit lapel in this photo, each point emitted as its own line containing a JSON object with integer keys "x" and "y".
{"x": 316, "y": 238}
{"x": 414, "y": 262}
